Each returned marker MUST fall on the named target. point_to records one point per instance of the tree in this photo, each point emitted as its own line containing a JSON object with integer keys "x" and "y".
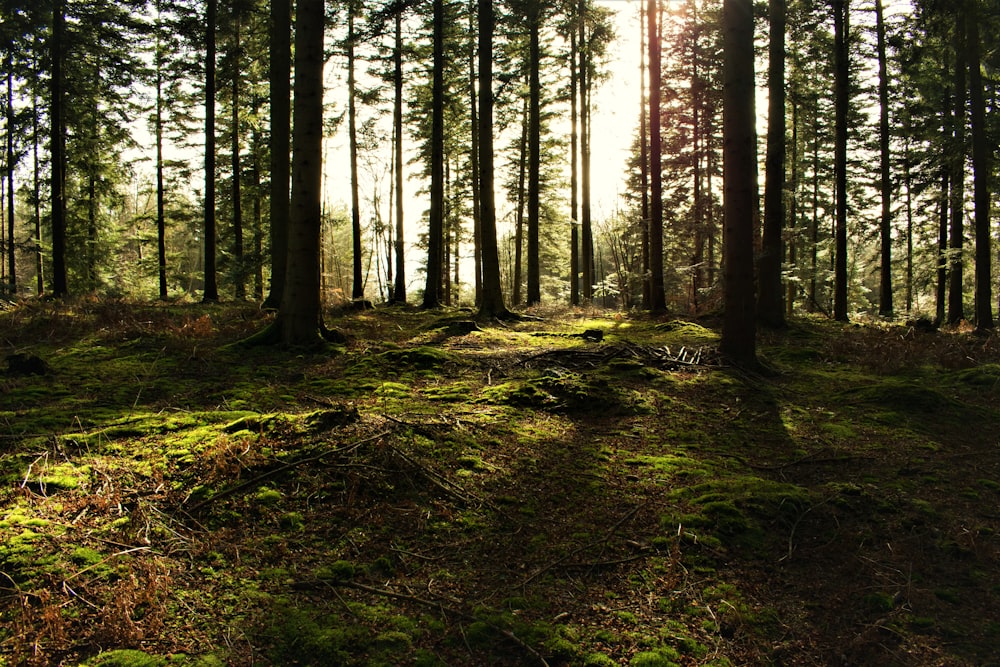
{"x": 57, "y": 147}
{"x": 534, "y": 132}
{"x": 956, "y": 160}
{"x": 435, "y": 231}
{"x": 644, "y": 160}
{"x": 399, "y": 290}
{"x": 299, "y": 319}
{"x": 211, "y": 288}
{"x": 657, "y": 295}
{"x": 492, "y": 304}
{"x": 739, "y": 330}
{"x": 885, "y": 178}
{"x": 358, "y": 284}
{"x": 770, "y": 302}
{"x": 280, "y": 94}
{"x": 841, "y": 14}
{"x": 982, "y": 171}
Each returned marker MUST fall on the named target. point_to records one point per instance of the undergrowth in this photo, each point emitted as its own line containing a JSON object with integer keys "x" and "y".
{"x": 444, "y": 493}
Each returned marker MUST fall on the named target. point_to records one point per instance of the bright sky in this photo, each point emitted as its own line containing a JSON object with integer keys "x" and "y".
{"x": 616, "y": 110}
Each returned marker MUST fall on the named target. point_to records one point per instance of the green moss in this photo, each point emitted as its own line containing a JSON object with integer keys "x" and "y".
{"x": 670, "y": 464}
{"x": 85, "y": 556}
{"x": 267, "y": 495}
{"x": 453, "y": 392}
{"x": 126, "y": 658}
{"x": 985, "y": 377}
{"x": 340, "y": 570}
{"x": 424, "y": 357}
{"x": 661, "y": 657}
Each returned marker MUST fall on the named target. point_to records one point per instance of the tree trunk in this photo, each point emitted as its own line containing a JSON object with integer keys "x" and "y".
{"x": 657, "y": 295}
{"x": 522, "y": 168}
{"x": 258, "y": 213}
{"x": 280, "y": 96}
{"x": 941, "y": 302}
{"x": 435, "y": 231}
{"x": 239, "y": 275}
{"x": 161, "y": 222}
{"x": 740, "y": 176}
{"x": 37, "y": 184}
{"x": 698, "y": 141}
{"x": 358, "y": 285}
{"x": 841, "y": 19}
{"x": 885, "y": 308}
{"x": 644, "y": 158}
{"x": 57, "y": 153}
{"x": 574, "y": 185}
{"x": 492, "y": 303}
{"x": 477, "y": 222}
{"x": 586, "y": 231}
{"x": 534, "y": 295}
{"x": 982, "y": 170}
{"x": 211, "y": 289}
{"x": 908, "y": 184}
{"x": 11, "y": 269}
{"x": 399, "y": 291}
{"x": 956, "y": 279}
{"x": 299, "y": 317}
{"x": 791, "y": 286}
{"x": 771, "y": 310}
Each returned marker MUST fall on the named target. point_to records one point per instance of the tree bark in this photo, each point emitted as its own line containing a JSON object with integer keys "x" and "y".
{"x": 477, "y": 218}
{"x": 739, "y": 175}
{"x": 210, "y": 291}
{"x": 161, "y": 222}
{"x": 57, "y": 153}
{"x": 770, "y": 303}
{"x": 358, "y": 286}
{"x": 644, "y": 158}
{"x": 956, "y": 278}
{"x": 574, "y": 185}
{"x": 492, "y": 302}
{"x": 657, "y": 295}
{"x": 586, "y": 230}
{"x": 399, "y": 291}
{"x": 841, "y": 19}
{"x": 11, "y": 268}
{"x": 299, "y": 317}
{"x": 280, "y": 95}
{"x": 239, "y": 275}
{"x": 982, "y": 170}
{"x": 885, "y": 308}
{"x": 534, "y": 294}
{"x": 435, "y": 231}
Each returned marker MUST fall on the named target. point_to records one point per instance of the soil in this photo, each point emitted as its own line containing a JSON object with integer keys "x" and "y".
{"x": 437, "y": 491}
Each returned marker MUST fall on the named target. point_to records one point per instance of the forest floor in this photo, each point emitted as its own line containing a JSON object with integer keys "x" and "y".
{"x": 436, "y": 493}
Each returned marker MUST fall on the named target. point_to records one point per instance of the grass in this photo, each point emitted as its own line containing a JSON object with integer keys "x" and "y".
{"x": 434, "y": 494}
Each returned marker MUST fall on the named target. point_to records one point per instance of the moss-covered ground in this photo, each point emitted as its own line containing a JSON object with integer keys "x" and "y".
{"x": 437, "y": 493}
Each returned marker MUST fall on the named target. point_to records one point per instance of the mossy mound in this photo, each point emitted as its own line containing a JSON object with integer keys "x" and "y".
{"x": 566, "y": 392}
{"x": 424, "y": 357}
